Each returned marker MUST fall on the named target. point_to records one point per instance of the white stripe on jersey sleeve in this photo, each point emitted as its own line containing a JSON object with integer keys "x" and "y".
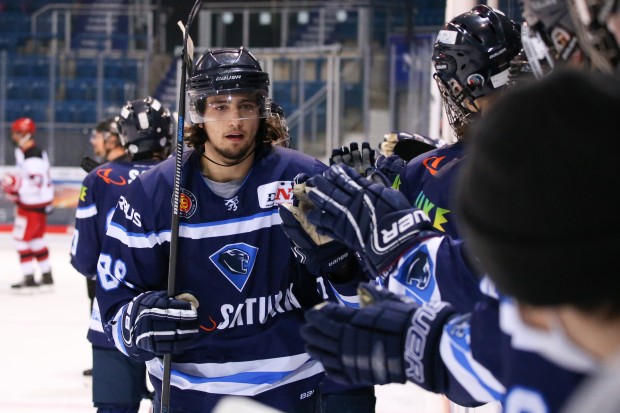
{"x": 476, "y": 379}
{"x": 86, "y": 212}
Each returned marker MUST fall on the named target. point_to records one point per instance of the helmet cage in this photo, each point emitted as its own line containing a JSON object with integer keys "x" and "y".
{"x": 455, "y": 100}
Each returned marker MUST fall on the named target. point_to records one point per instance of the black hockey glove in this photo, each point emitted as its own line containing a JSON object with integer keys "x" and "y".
{"x": 390, "y": 339}
{"x": 319, "y": 253}
{"x": 154, "y": 324}
{"x": 390, "y": 166}
{"x": 375, "y": 220}
{"x": 361, "y": 160}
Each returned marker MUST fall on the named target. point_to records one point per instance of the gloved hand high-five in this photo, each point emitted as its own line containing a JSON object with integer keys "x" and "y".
{"x": 154, "y": 324}
{"x": 390, "y": 339}
{"x": 390, "y": 166}
{"x": 375, "y": 220}
{"x": 319, "y": 253}
{"x": 362, "y": 160}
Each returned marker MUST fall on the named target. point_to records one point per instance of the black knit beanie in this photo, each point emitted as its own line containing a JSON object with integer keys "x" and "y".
{"x": 538, "y": 195}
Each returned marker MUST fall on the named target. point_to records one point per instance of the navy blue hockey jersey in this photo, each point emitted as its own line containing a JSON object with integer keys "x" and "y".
{"x": 479, "y": 362}
{"x": 427, "y": 182}
{"x": 236, "y": 260}
{"x": 98, "y": 197}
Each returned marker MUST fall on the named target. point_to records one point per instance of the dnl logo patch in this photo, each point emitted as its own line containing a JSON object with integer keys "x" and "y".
{"x": 235, "y": 262}
{"x": 275, "y": 193}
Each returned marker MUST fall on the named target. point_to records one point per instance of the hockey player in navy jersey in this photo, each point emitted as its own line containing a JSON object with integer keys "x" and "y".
{"x": 233, "y": 326}
{"x": 107, "y": 147}
{"x": 471, "y": 58}
{"x": 32, "y": 191}
{"x": 133, "y": 143}
{"x": 463, "y": 352}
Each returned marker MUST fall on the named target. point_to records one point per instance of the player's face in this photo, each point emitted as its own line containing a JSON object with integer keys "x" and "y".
{"x": 18, "y": 138}
{"x": 98, "y": 142}
{"x": 231, "y": 124}
{"x": 15, "y": 137}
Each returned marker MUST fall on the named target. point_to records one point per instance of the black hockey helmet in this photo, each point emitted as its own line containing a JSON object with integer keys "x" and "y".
{"x": 277, "y": 116}
{"x": 145, "y": 127}
{"x": 225, "y": 72}
{"x": 108, "y": 128}
{"x": 592, "y": 19}
{"x": 548, "y": 36}
{"x": 472, "y": 57}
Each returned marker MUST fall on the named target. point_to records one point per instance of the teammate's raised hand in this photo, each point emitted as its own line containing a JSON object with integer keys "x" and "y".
{"x": 373, "y": 219}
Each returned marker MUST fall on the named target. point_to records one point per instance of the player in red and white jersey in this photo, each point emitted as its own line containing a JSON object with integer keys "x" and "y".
{"x": 31, "y": 188}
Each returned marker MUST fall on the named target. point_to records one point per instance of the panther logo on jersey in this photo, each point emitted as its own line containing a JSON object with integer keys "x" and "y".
{"x": 419, "y": 271}
{"x": 235, "y": 262}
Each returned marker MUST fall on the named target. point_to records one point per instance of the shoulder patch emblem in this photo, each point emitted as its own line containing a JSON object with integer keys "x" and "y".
{"x": 188, "y": 204}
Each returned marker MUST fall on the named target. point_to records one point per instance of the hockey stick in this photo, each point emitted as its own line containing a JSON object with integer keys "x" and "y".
{"x": 186, "y": 65}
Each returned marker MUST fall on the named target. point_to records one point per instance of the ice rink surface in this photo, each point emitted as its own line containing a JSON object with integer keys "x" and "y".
{"x": 44, "y": 348}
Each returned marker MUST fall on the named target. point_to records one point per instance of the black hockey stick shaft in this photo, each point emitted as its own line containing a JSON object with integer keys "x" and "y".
{"x": 174, "y": 224}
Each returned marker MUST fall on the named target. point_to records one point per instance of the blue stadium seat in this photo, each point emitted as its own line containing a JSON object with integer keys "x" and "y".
{"x": 81, "y": 89}
{"x": 66, "y": 112}
{"x": 87, "y": 112}
{"x": 39, "y": 88}
{"x": 118, "y": 90}
{"x": 16, "y": 108}
{"x": 86, "y": 68}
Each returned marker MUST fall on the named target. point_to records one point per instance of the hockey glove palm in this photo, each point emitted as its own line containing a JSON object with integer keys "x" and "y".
{"x": 319, "y": 253}
{"x": 375, "y": 220}
{"x": 390, "y": 340}
{"x": 362, "y": 160}
{"x": 154, "y": 324}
